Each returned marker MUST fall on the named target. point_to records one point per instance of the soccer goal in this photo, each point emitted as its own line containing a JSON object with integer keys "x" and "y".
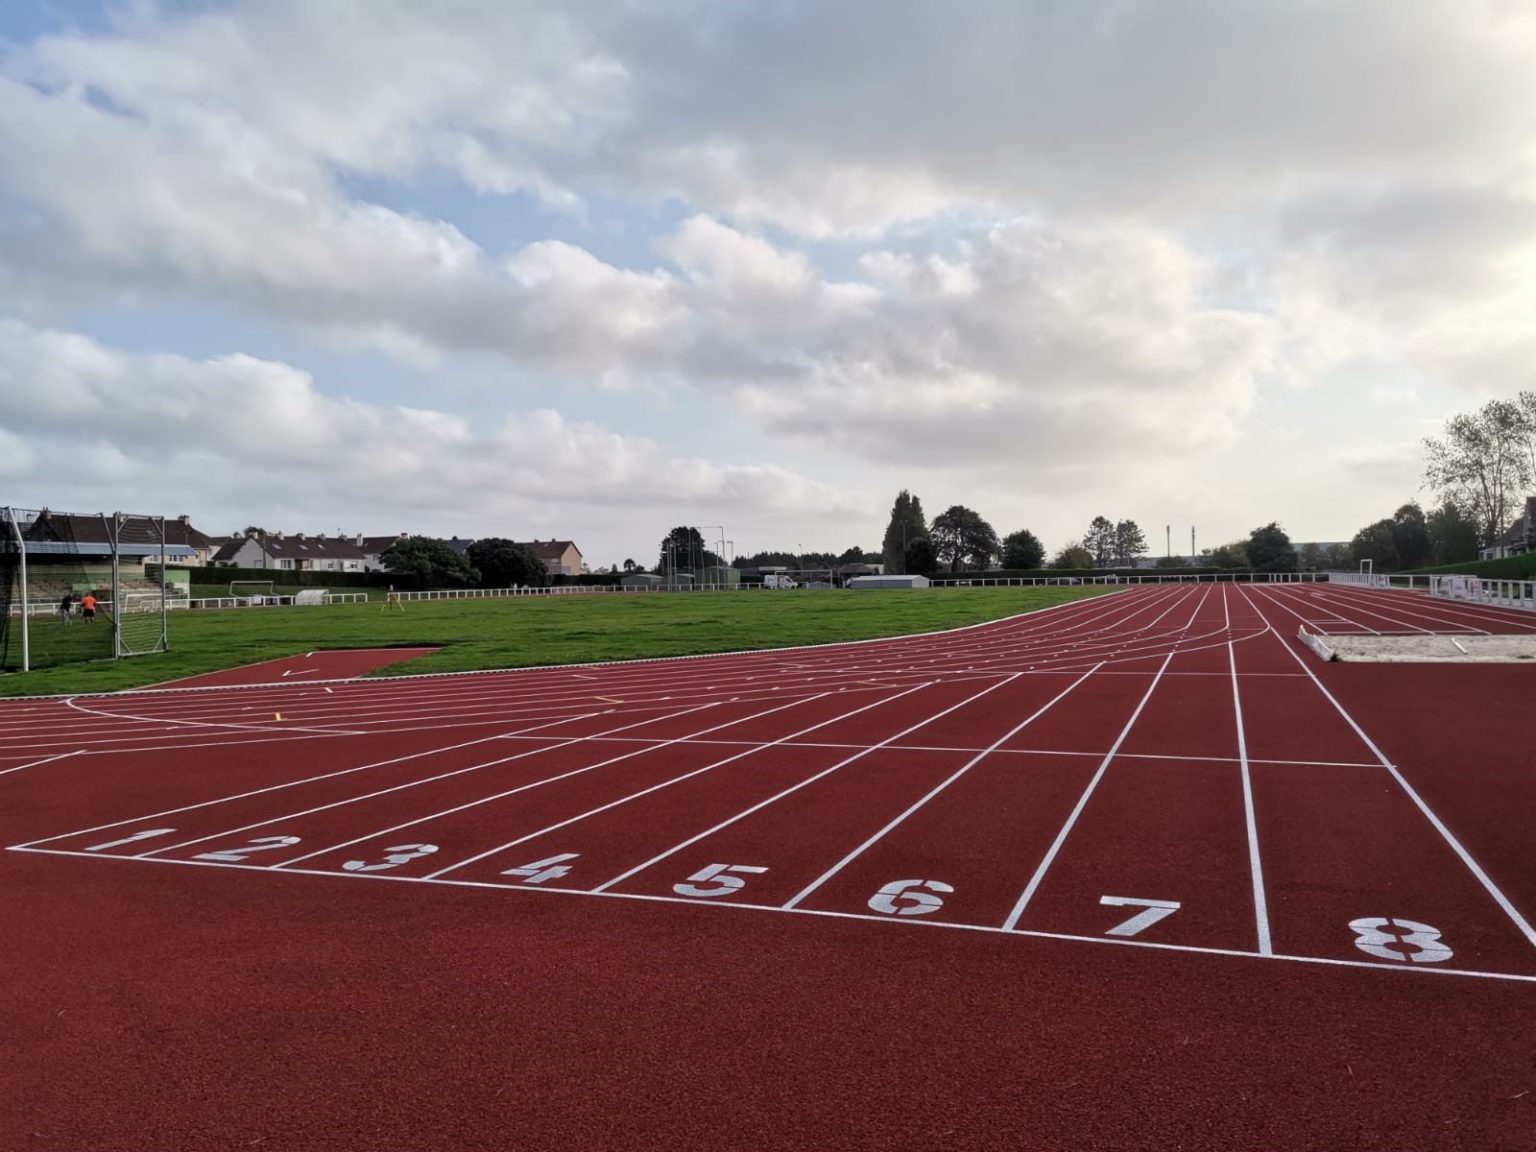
{"x": 140, "y": 623}
{"x": 251, "y": 591}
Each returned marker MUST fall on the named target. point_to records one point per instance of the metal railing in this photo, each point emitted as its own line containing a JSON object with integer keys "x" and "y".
{"x": 1483, "y": 590}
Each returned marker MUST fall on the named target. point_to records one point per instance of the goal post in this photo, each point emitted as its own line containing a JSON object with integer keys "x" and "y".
{"x": 256, "y": 591}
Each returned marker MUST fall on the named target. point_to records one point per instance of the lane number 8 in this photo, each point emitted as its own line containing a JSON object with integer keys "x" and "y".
{"x": 1398, "y": 939}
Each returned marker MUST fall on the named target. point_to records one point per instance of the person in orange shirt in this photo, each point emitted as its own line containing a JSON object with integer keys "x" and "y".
{"x": 88, "y": 608}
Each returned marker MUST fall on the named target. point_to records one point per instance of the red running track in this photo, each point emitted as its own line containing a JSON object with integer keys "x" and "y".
{"x": 1133, "y": 872}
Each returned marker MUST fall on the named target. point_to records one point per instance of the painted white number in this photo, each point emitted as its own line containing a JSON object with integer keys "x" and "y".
{"x": 542, "y": 870}
{"x": 719, "y": 875}
{"x": 1398, "y": 939}
{"x": 260, "y": 844}
{"x": 1151, "y": 912}
{"x": 398, "y": 855}
{"x": 914, "y": 903}
{"x": 144, "y": 835}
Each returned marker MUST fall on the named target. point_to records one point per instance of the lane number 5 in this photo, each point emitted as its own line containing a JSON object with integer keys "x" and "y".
{"x": 719, "y": 879}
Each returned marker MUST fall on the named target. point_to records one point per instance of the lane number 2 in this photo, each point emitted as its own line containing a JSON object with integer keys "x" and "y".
{"x": 1398, "y": 939}
{"x": 910, "y": 897}
{"x": 260, "y": 844}
{"x": 1151, "y": 912}
{"x": 719, "y": 879}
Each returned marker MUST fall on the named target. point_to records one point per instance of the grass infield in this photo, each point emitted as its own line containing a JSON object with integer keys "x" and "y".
{"x": 521, "y": 633}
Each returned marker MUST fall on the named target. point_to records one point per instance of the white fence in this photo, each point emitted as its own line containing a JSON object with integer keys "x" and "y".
{"x": 1481, "y": 590}
{"x": 979, "y": 580}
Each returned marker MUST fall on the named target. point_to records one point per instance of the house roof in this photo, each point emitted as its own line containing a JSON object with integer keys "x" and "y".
{"x": 61, "y": 533}
{"x": 297, "y": 547}
{"x": 549, "y": 549}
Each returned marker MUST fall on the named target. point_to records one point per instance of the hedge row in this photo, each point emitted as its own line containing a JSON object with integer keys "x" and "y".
{"x": 293, "y": 578}
{"x": 1521, "y": 567}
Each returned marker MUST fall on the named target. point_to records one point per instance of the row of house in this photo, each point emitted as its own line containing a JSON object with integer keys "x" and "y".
{"x": 92, "y": 537}
{"x": 358, "y": 553}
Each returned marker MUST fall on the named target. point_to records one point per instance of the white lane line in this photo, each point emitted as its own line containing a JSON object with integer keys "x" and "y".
{"x": 210, "y": 723}
{"x": 949, "y": 925}
{"x": 1255, "y": 867}
{"x": 226, "y": 832}
{"x": 37, "y": 763}
{"x": 1082, "y": 802}
{"x": 977, "y": 759}
{"x": 1473, "y": 866}
{"x": 605, "y": 885}
{"x": 297, "y": 783}
{"x": 547, "y": 780}
{"x": 669, "y": 783}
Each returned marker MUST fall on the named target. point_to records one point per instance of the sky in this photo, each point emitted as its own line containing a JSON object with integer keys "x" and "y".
{"x": 589, "y": 272}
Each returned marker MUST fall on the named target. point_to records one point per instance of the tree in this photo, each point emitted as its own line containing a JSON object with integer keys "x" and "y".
{"x": 430, "y": 563}
{"x": 1452, "y": 535}
{"x": 1269, "y": 550}
{"x": 1376, "y": 543}
{"x": 684, "y": 546}
{"x": 1410, "y": 537}
{"x": 906, "y": 524}
{"x": 629, "y": 565}
{"x": 961, "y": 536}
{"x": 920, "y": 559}
{"x": 1233, "y": 555}
{"x": 1485, "y": 462}
{"x": 1022, "y": 550}
{"x": 1073, "y": 555}
{"x": 1129, "y": 543}
{"x": 504, "y": 564}
{"x": 1100, "y": 541}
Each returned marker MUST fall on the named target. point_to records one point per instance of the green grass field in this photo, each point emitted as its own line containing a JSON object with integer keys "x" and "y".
{"x": 477, "y": 634}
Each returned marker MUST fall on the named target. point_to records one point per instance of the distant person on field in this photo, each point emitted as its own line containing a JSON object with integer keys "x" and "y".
{"x": 88, "y": 608}
{"x": 65, "y": 606}
{"x": 392, "y": 600}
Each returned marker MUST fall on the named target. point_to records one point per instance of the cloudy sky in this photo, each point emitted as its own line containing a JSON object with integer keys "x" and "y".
{"x": 485, "y": 267}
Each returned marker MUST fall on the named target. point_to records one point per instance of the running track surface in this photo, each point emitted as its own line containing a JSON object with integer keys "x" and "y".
{"x": 1135, "y": 872}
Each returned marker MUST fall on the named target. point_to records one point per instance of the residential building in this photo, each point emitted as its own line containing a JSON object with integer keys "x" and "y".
{"x": 560, "y": 557}
{"x": 1518, "y": 538}
{"x": 296, "y": 553}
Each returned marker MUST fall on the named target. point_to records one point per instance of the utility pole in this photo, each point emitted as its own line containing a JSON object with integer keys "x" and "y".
{"x": 1168, "y": 534}
{"x": 1192, "y": 553}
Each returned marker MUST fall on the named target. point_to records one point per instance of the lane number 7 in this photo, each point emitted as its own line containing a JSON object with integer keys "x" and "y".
{"x": 1151, "y": 912}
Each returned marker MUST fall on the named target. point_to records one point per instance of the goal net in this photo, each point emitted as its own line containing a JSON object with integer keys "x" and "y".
{"x": 140, "y": 622}
{"x": 251, "y": 591}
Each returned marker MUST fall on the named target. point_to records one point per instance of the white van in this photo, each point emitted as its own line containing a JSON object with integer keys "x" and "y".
{"x": 778, "y": 580}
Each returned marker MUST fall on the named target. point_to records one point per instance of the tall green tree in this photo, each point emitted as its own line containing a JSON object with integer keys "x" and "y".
{"x": 1485, "y": 462}
{"x": 1377, "y": 543}
{"x": 1269, "y": 549}
{"x": 961, "y": 537}
{"x": 1410, "y": 536}
{"x": 1100, "y": 541}
{"x": 429, "y": 563}
{"x": 685, "y": 546}
{"x": 505, "y": 564}
{"x": 920, "y": 559}
{"x": 1073, "y": 555}
{"x": 1022, "y": 550}
{"x": 1453, "y": 536}
{"x": 1130, "y": 543}
{"x": 906, "y": 524}
{"x": 1233, "y": 555}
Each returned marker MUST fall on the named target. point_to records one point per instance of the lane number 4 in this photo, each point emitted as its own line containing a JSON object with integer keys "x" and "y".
{"x": 541, "y": 870}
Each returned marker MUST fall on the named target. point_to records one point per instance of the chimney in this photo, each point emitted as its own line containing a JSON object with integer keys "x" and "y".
{"x": 184, "y": 520}
{"x": 278, "y": 536}
{"x": 359, "y": 539}
{"x": 298, "y": 535}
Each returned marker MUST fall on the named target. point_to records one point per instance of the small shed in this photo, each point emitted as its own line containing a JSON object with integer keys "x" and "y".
{"x": 889, "y": 582}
